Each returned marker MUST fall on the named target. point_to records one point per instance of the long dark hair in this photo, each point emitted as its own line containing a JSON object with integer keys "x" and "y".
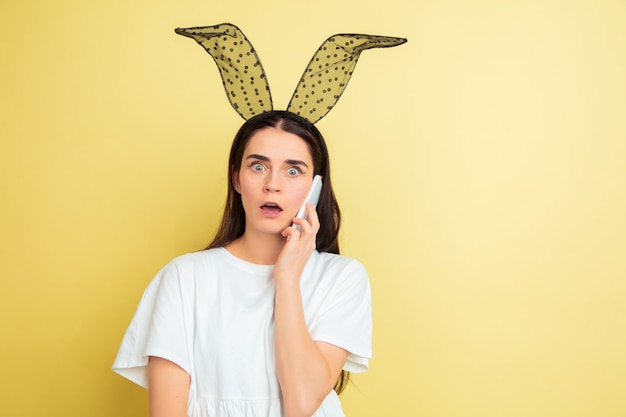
{"x": 233, "y": 223}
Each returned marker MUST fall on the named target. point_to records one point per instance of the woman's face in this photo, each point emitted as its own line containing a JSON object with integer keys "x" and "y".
{"x": 274, "y": 178}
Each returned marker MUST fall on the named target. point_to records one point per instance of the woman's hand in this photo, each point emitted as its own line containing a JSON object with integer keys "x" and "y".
{"x": 298, "y": 247}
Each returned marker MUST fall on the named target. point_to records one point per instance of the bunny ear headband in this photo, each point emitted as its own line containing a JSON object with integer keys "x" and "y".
{"x": 319, "y": 89}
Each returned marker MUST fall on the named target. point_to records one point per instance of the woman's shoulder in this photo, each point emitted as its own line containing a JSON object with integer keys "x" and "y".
{"x": 191, "y": 263}
{"x": 334, "y": 258}
{"x": 198, "y": 257}
{"x": 339, "y": 263}
{"x": 340, "y": 275}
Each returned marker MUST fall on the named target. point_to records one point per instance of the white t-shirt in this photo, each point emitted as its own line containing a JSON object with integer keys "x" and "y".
{"x": 212, "y": 314}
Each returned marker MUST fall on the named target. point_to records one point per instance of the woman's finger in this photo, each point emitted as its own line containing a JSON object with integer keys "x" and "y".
{"x": 313, "y": 217}
{"x": 291, "y": 232}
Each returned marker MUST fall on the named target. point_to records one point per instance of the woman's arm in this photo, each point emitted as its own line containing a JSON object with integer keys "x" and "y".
{"x": 307, "y": 370}
{"x": 168, "y": 388}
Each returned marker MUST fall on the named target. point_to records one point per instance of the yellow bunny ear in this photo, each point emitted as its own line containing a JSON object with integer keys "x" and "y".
{"x": 329, "y": 71}
{"x": 242, "y": 74}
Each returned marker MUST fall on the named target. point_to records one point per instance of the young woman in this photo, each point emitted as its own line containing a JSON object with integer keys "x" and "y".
{"x": 268, "y": 319}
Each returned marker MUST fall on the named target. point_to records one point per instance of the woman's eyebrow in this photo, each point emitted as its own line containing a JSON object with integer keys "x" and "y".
{"x": 296, "y": 162}
{"x": 266, "y": 159}
{"x": 259, "y": 157}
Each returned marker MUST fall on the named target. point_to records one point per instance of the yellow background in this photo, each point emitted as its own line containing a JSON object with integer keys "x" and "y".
{"x": 481, "y": 169}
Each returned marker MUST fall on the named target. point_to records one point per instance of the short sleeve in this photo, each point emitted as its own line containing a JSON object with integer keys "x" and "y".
{"x": 345, "y": 317}
{"x": 157, "y": 329}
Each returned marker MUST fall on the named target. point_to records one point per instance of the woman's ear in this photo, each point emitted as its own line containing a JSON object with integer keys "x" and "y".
{"x": 235, "y": 176}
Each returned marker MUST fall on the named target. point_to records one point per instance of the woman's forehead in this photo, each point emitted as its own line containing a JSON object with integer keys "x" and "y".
{"x": 277, "y": 144}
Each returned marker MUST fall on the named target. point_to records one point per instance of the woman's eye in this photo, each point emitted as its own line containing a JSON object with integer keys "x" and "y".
{"x": 258, "y": 167}
{"x": 293, "y": 171}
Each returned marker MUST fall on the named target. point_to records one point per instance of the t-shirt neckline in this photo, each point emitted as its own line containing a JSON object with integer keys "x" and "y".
{"x": 240, "y": 263}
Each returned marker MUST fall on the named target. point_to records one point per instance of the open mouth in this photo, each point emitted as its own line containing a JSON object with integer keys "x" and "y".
{"x": 271, "y": 209}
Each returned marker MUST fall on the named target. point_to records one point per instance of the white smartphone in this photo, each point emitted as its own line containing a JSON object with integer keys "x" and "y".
{"x": 312, "y": 197}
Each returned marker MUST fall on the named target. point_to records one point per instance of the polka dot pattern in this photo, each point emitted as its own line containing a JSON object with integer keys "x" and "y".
{"x": 330, "y": 69}
{"x": 319, "y": 89}
{"x": 242, "y": 74}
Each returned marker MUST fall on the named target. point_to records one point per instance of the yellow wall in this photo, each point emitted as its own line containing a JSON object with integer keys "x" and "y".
{"x": 482, "y": 174}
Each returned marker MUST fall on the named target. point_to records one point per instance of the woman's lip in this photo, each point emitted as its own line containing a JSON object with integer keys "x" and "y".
{"x": 271, "y": 204}
{"x": 271, "y": 209}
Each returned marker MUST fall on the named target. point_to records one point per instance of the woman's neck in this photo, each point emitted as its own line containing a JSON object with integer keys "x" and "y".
{"x": 257, "y": 249}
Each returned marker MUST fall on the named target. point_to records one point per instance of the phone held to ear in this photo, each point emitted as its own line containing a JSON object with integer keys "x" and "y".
{"x": 312, "y": 197}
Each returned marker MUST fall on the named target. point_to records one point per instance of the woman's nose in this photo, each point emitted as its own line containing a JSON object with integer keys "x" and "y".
{"x": 273, "y": 183}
